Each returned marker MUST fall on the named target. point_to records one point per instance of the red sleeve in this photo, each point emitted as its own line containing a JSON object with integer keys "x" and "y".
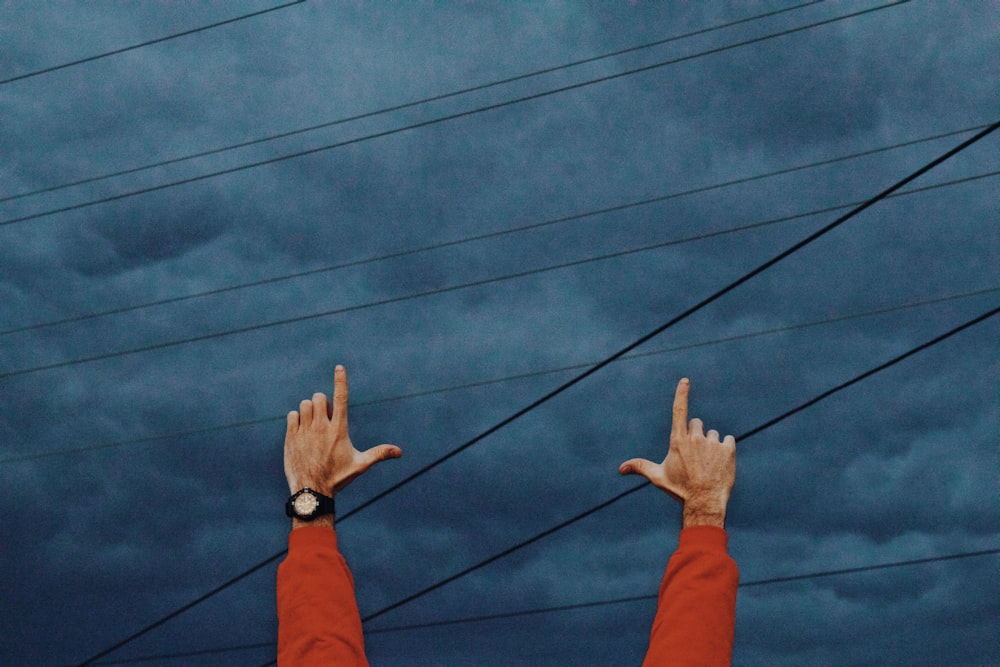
{"x": 318, "y": 619}
{"x": 696, "y": 612}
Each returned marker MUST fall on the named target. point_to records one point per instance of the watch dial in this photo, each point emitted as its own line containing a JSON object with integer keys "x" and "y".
{"x": 306, "y": 504}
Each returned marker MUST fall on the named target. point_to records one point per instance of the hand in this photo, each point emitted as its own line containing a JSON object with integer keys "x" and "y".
{"x": 699, "y": 470}
{"x": 318, "y": 449}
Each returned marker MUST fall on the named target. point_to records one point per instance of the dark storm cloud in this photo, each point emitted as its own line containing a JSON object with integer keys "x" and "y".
{"x": 141, "y": 235}
{"x": 802, "y": 99}
{"x": 898, "y": 467}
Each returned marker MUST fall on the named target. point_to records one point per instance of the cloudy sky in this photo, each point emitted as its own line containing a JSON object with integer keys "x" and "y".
{"x": 465, "y": 249}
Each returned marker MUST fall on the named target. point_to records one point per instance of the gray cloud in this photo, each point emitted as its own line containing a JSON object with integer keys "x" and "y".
{"x": 895, "y": 468}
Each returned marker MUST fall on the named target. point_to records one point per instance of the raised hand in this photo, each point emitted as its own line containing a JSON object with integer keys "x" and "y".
{"x": 699, "y": 470}
{"x": 318, "y": 449}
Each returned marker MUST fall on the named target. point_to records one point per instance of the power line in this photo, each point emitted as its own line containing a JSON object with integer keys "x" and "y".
{"x": 138, "y": 441}
{"x": 620, "y": 496}
{"x": 689, "y": 346}
{"x": 868, "y": 568}
{"x": 454, "y": 288}
{"x": 520, "y": 413}
{"x": 189, "y": 654}
{"x": 574, "y": 607}
{"x": 739, "y": 438}
{"x": 508, "y": 378}
{"x": 479, "y": 237}
{"x": 407, "y": 105}
{"x": 638, "y": 598}
{"x": 139, "y": 46}
{"x": 440, "y": 119}
{"x": 181, "y": 610}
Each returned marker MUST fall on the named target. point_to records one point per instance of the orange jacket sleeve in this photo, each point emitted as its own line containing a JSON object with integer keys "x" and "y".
{"x": 696, "y": 613}
{"x": 318, "y": 619}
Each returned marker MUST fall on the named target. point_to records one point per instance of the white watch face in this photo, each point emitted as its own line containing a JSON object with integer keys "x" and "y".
{"x": 306, "y": 504}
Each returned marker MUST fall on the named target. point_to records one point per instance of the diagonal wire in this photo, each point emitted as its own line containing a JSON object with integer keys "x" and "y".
{"x": 407, "y": 105}
{"x": 441, "y": 119}
{"x": 479, "y": 237}
{"x": 571, "y": 607}
{"x": 453, "y": 288}
{"x": 763, "y": 267}
{"x": 181, "y": 610}
{"x": 639, "y": 598}
{"x": 507, "y": 378}
{"x": 739, "y": 438}
{"x": 54, "y": 68}
{"x": 678, "y": 348}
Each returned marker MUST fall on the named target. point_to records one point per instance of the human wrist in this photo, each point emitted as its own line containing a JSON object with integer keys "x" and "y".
{"x": 298, "y": 483}
{"x": 705, "y": 511}
{"x": 325, "y": 521}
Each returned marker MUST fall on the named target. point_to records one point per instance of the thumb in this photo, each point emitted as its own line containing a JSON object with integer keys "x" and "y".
{"x": 362, "y": 461}
{"x": 381, "y": 453}
{"x": 637, "y": 467}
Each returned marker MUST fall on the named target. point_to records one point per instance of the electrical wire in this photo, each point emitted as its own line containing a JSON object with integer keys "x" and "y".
{"x": 520, "y": 413}
{"x": 507, "y": 378}
{"x": 634, "y": 356}
{"x": 189, "y": 654}
{"x": 440, "y": 119}
{"x": 739, "y": 438}
{"x": 637, "y": 598}
{"x": 177, "y": 612}
{"x": 461, "y": 286}
{"x": 571, "y": 607}
{"x": 478, "y": 237}
{"x": 141, "y": 45}
{"x": 408, "y": 105}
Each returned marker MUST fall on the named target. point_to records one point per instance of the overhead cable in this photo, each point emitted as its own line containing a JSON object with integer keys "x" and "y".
{"x": 552, "y": 394}
{"x": 440, "y": 119}
{"x": 637, "y": 598}
{"x": 567, "y": 607}
{"x": 499, "y": 380}
{"x": 177, "y": 612}
{"x": 437, "y": 291}
{"x": 477, "y": 237}
{"x": 408, "y": 105}
{"x": 739, "y": 438}
{"x": 159, "y": 40}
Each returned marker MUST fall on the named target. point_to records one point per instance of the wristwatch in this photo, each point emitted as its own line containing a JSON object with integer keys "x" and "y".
{"x": 307, "y": 504}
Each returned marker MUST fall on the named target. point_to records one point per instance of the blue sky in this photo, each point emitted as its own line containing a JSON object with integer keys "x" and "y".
{"x": 465, "y": 267}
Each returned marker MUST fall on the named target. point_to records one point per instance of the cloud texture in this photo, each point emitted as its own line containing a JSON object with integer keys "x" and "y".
{"x": 462, "y": 269}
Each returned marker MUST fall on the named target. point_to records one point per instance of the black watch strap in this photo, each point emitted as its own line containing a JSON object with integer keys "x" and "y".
{"x": 320, "y": 506}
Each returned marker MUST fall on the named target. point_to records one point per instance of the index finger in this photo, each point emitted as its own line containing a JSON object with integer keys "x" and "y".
{"x": 680, "y": 415}
{"x": 339, "y": 394}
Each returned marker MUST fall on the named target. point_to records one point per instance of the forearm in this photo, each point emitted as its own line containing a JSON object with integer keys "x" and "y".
{"x": 318, "y": 618}
{"x": 696, "y": 613}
